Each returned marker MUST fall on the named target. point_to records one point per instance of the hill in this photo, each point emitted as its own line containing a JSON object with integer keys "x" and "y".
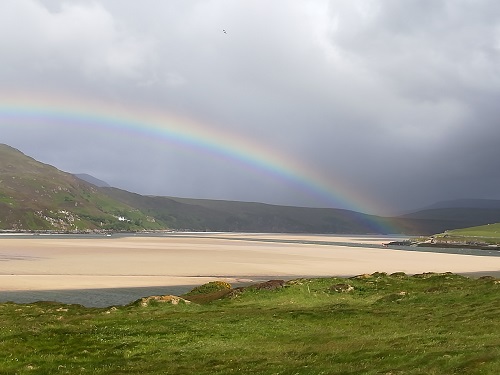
{"x": 91, "y": 179}
{"x": 230, "y": 216}
{"x": 465, "y": 203}
{"x": 452, "y": 214}
{"x": 37, "y": 196}
{"x": 442, "y": 219}
{"x": 482, "y": 237}
{"x": 221, "y": 215}
{"x": 491, "y": 231}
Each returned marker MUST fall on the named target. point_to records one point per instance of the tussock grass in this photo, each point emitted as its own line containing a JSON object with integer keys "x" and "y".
{"x": 399, "y": 324}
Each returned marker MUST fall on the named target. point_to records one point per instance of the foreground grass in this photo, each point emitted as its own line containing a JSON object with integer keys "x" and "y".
{"x": 424, "y": 324}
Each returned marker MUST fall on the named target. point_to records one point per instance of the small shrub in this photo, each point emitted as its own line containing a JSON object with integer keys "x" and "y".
{"x": 399, "y": 275}
{"x": 362, "y": 276}
{"x": 425, "y": 275}
{"x": 211, "y": 287}
{"x": 268, "y": 285}
{"x": 487, "y": 278}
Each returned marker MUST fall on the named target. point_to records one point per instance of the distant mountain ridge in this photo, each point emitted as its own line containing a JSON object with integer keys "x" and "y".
{"x": 231, "y": 216}
{"x": 37, "y": 196}
{"x": 92, "y": 180}
{"x": 465, "y": 203}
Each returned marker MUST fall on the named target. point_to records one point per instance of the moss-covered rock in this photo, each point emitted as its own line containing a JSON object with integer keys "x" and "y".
{"x": 211, "y": 287}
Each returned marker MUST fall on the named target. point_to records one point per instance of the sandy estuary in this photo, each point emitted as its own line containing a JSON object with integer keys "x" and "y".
{"x": 102, "y": 271}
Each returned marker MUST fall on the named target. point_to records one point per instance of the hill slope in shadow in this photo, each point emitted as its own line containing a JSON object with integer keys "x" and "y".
{"x": 37, "y": 196}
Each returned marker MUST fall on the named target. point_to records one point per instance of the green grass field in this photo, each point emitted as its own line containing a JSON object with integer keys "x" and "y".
{"x": 489, "y": 234}
{"x": 397, "y": 324}
{"x": 486, "y": 231}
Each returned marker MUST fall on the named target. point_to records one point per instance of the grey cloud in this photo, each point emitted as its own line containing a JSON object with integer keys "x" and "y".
{"x": 365, "y": 92}
{"x": 82, "y": 39}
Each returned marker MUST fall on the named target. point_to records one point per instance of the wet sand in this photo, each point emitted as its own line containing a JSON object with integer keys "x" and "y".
{"x": 46, "y": 263}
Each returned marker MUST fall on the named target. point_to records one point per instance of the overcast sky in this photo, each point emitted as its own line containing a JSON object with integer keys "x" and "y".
{"x": 392, "y": 104}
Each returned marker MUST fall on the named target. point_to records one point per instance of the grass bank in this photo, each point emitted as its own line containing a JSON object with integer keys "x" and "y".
{"x": 483, "y": 237}
{"x": 374, "y": 324}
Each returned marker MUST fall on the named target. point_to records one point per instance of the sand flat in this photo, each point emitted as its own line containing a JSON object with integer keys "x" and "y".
{"x": 42, "y": 263}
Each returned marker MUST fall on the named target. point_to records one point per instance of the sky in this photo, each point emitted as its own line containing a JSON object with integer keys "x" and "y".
{"x": 377, "y": 106}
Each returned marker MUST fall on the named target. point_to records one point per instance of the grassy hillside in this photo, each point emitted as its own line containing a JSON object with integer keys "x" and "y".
{"x": 443, "y": 219}
{"x": 219, "y": 215}
{"x": 463, "y": 216}
{"x": 484, "y": 231}
{"x": 465, "y": 203}
{"x": 37, "y": 196}
{"x": 483, "y": 235}
{"x": 373, "y": 324}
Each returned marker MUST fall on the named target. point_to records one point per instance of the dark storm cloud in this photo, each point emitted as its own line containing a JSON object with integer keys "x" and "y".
{"x": 396, "y": 100}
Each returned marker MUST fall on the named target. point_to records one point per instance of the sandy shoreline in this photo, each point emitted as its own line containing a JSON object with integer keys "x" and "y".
{"x": 36, "y": 263}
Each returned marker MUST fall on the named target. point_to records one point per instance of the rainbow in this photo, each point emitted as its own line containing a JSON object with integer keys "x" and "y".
{"x": 158, "y": 126}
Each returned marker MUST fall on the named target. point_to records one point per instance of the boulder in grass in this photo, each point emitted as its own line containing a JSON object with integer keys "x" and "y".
{"x": 342, "y": 288}
{"x": 379, "y": 274}
{"x": 209, "y": 292}
{"x": 210, "y": 287}
{"x": 174, "y": 300}
{"x": 268, "y": 285}
{"x": 362, "y": 276}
